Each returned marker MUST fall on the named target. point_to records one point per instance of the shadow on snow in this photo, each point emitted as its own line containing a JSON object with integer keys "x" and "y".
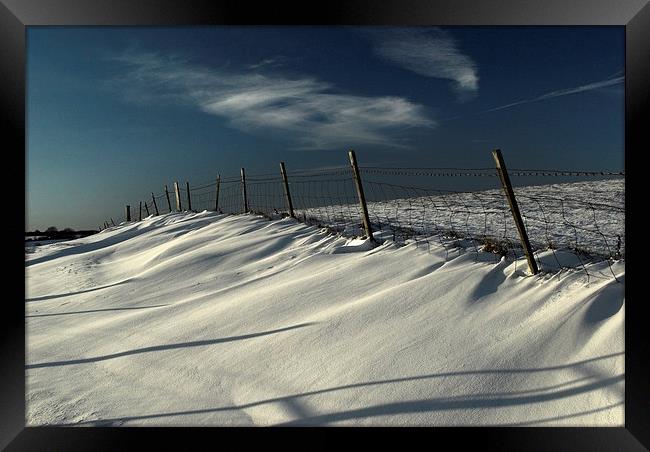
{"x": 468, "y": 401}
{"x": 164, "y": 347}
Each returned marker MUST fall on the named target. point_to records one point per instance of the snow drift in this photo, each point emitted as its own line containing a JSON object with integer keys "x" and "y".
{"x": 207, "y": 319}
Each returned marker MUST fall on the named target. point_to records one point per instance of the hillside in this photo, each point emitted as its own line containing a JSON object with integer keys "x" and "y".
{"x": 208, "y": 319}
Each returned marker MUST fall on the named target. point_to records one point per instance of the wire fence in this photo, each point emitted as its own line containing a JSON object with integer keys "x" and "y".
{"x": 569, "y": 225}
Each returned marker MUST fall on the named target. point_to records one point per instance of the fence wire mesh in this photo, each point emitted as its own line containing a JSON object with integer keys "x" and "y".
{"x": 569, "y": 224}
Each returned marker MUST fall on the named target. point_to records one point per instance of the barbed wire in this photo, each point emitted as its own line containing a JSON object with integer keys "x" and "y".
{"x": 425, "y": 173}
{"x": 482, "y": 172}
{"x": 570, "y": 172}
{"x": 342, "y": 172}
{"x": 203, "y": 186}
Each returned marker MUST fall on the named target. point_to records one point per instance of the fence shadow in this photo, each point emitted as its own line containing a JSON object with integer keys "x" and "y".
{"x": 606, "y": 303}
{"x": 95, "y": 310}
{"x": 491, "y": 282}
{"x": 156, "y": 348}
{"x": 478, "y": 401}
{"x": 483, "y": 401}
{"x": 60, "y": 295}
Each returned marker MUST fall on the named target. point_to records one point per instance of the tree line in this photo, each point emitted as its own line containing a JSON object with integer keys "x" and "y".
{"x": 52, "y": 233}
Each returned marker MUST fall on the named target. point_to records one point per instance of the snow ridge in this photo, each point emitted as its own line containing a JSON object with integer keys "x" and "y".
{"x": 208, "y": 319}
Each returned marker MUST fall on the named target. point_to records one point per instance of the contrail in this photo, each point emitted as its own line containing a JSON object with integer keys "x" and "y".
{"x": 552, "y": 94}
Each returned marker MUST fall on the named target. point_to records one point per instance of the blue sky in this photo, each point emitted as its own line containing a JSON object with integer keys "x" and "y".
{"x": 114, "y": 113}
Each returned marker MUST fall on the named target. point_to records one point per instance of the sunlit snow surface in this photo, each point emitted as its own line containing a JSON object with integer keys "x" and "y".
{"x": 207, "y": 319}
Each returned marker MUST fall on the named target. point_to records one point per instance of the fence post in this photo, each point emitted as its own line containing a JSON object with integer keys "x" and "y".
{"x": 243, "y": 187}
{"x": 155, "y": 206}
{"x": 128, "y": 213}
{"x": 189, "y": 200}
{"x": 216, "y": 202}
{"x": 140, "y": 214}
{"x": 286, "y": 189}
{"x": 178, "y": 196}
{"x": 146, "y": 208}
{"x": 169, "y": 204}
{"x": 362, "y": 197}
{"x": 514, "y": 208}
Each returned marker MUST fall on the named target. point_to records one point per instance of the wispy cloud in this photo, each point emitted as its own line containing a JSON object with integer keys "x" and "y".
{"x": 268, "y": 62}
{"x": 563, "y": 92}
{"x": 431, "y": 52}
{"x": 313, "y": 113}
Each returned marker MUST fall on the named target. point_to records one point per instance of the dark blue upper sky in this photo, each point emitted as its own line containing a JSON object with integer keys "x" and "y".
{"x": 114, "y": 113}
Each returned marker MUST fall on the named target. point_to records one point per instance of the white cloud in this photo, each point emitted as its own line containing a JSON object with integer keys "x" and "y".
{"x": 314, "y": 114}
{"x": 429, "y": 52}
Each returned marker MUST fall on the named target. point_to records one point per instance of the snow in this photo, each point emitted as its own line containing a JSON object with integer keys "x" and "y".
{"x": 30, "y": 245}
{"x": 208, "y": 319}
{"x": 589, "y": 216}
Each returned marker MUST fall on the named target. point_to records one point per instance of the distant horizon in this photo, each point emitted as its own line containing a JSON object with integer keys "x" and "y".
{"x": 115, "y": 113}
{"x": 64, "y": 229}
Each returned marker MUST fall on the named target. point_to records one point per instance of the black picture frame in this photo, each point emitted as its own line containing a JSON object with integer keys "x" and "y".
{"x": 16, "y": 15}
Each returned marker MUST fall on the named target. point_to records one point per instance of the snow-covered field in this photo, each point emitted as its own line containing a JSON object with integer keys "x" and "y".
{"x": 589, "y": 216}
{"x": 208, "y": 319}
{"x": 30, "y": 245}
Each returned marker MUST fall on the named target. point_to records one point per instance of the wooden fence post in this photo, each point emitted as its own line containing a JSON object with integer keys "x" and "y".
{"x": 140, "y": 214}
{"x": 216, "y": 202}
{"x": 169, "y": 204}
{"x": 189, "y": 200}
{"x": 514, "y": 208}
{"x": 128, "y": 213}
{"x": 178, "y": 196}
{"x": 155, "y": 206}
{"x": 146, "y": 208}
{"x": 286, "y": 189}
{"x": 243, "y": 188}
{"x": 362, "y": 198}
